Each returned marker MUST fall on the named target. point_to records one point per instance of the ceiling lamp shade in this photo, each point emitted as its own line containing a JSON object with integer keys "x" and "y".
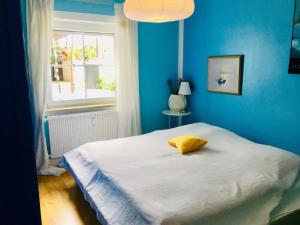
{"x": 158, "y": 11}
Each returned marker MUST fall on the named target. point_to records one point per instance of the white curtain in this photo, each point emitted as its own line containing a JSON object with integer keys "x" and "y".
{"x": 39, "y": 26}
{"x": 128, "y": 100}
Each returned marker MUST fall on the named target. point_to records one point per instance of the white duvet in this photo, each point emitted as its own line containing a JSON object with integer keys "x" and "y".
{"x": 142, "y": 180}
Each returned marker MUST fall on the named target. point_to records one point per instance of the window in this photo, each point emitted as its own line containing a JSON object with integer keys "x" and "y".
{"x": 82, "y": 66}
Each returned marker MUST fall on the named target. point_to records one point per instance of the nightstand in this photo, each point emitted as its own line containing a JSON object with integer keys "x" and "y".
{"x": 179, "y": 116}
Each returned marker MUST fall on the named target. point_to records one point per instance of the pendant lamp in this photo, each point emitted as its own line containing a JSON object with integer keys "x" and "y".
{"x": 158, "y": 11}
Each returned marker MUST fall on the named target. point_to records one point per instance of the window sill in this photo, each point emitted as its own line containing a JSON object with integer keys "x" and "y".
{"x": 79, "y": 108}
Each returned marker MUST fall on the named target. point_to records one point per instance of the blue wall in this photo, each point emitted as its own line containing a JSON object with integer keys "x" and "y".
{"x": 269, "y": 109}
{"x": 158, "y": 60}
{"x": 85, "y": 7}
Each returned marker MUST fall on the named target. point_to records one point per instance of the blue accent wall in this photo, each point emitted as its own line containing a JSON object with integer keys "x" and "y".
{"x": 268, "y": 111}
{"x": 85, "y": 7}
{"x": 158, "y": 61}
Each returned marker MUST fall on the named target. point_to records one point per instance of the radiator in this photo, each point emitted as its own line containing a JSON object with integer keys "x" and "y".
{"x": 67, "y": 132}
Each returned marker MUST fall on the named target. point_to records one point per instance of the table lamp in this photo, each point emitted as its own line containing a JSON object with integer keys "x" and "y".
{"x": 185, "y": 90}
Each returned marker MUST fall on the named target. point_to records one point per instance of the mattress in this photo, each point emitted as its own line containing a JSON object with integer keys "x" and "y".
{"x": 142, "y": 180}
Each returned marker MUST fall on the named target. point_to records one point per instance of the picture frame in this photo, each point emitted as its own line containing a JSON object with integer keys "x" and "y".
{"x": 294, "y": 63}
{"x": 225, "y": 74}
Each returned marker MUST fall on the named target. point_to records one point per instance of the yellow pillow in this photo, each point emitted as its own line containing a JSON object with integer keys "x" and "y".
{"x": 187, "y": 143}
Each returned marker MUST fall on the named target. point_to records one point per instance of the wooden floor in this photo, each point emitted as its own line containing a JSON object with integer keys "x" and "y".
{"x": 62, "y": 203}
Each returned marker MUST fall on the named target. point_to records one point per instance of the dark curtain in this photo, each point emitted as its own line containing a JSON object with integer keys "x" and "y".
{"x": 19, "y": 200}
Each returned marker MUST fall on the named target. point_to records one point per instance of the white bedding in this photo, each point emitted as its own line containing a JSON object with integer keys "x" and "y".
{"x": 142, "y": 180}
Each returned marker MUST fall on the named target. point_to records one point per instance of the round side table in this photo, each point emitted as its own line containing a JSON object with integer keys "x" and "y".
{"x": 179, "y": 115}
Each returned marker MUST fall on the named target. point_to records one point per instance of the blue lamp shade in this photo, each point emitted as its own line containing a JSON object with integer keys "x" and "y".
{"x": 185, "y": 88}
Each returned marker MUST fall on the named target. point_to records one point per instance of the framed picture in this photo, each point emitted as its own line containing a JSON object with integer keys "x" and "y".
{"x": 294, "y": 66}
{"x": 225, "y": 74}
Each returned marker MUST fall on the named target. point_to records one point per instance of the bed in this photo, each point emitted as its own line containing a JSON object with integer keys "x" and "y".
{"x": 142, "y": 180}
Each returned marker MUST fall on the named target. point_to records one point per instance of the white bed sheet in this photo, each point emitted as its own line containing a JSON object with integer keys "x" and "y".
{"x": 142, "y": 180}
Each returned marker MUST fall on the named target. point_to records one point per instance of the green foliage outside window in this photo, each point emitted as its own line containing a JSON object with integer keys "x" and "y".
{"x": 60, "y": 54}
{"x": 106, "y": 84}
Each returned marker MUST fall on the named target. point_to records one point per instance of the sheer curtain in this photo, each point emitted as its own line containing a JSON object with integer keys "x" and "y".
{"x": 127, "y": 75}
{"x": 39, "y": 26}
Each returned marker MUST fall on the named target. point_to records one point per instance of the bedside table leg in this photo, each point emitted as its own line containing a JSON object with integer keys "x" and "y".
{"x": 179, "y": 121}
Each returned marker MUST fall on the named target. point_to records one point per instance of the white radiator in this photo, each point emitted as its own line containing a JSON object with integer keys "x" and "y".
{"x": 70, "y": 131}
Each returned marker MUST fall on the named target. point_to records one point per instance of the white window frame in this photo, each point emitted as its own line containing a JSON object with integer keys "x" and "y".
{"x": 81, "y": 23}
